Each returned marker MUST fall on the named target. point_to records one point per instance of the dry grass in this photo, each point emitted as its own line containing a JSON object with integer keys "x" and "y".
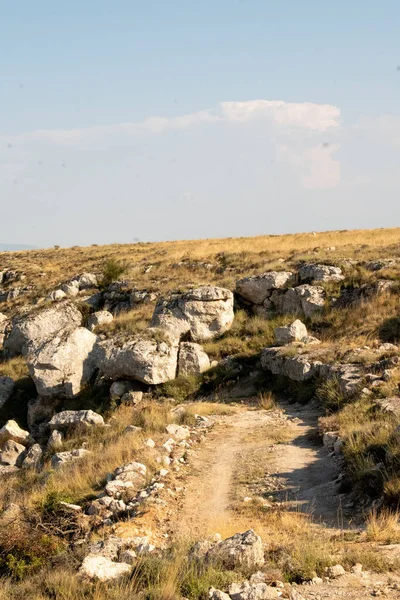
{"x": 178, "y": 264}
{"x": 383, "y": 526}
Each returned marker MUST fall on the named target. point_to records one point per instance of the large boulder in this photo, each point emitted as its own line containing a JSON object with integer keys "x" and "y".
{"x": 312, "y": 298}
{"x": 312, "y": 272}
{"x": 240, "y": 550}
{"x": 12, "y": 431}
{"x": 192, "y": 359}
{"x": 6, "y": 389}
{"x": 73, "y": 418}
{"x": 298, "y": 368}
{"x": 29, "y": 332}
{"x": 62, "y": 366}
{"x": 150, "y": 360}
{"x": 296, "y": 332}
{"x": 257, "y": 288}
{"x": 202, "y": 314}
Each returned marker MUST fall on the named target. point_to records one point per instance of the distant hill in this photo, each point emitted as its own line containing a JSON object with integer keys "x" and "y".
{"x": 15, "y": 247}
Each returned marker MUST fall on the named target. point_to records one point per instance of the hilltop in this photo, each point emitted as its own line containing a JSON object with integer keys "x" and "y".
{"x": 202, "y": 419}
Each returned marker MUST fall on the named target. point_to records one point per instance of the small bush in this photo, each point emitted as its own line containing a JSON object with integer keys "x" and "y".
{"x": 112, "y": 271}
{"x": 330, "y": 394}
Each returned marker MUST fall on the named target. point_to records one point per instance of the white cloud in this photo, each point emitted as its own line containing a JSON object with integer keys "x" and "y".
{"x": 307, "y": 116}
{"x": 315, "y": 167}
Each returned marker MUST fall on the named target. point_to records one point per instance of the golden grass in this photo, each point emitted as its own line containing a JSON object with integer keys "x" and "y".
{"x": 170, "y": 268}
{"x": 383, "y": 526}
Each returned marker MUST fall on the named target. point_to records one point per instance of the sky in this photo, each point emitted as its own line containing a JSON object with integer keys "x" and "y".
{"x": 124, "y": 121}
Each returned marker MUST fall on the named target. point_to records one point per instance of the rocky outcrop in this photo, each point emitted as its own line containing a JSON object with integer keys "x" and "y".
{"x": 315, "y": 272}
{"x": 63, "y": 365}
{"x": 6, "y": 389}
{"x": 202, "y": 314}
{"x": 73, "y": 418}
{"x": 192, "y": 359}
{"x": 305, "y": 366}
{"x": 29, "y": 332}
{"x": 258, "y": 288}
{"x": 85, "y": 281}
{"x": 146, "y": 360}
{"x": 242, "y": 549}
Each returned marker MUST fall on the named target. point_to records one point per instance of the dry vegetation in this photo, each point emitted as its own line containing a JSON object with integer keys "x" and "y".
{"x": 371, "y": 438}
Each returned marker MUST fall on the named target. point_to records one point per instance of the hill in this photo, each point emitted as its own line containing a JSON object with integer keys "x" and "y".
{"x": 202, "y": 419}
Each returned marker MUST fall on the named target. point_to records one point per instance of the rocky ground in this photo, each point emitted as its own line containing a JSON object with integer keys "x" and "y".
{"x": 286, "y": 483}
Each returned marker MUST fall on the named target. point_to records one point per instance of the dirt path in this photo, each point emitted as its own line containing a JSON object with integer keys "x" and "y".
{"x": 269, "y": 456}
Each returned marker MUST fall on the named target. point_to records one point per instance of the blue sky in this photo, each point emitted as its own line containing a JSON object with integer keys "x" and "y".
{"x": 82, "y": 160}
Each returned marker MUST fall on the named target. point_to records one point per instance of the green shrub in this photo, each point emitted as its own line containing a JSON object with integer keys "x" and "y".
{"x": 112, "y": 271}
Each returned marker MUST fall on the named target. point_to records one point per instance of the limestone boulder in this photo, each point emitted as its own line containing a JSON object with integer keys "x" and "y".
{"x": 85, "y": 281}
{"x": 315, "y": 272}
{"x": 70, "y": 289}
{"x": 6, "y": 389}
{"x": 33, "y": 458}
{"x": 192, "y": 359}
{"x": 202, "y": 314}
{"x": 100, "y": 568}
{"x": 257, "y": 288}
{"x": 12, "y": 431}
{"x": 296, "y": 332}
{"x": 242, "y": 549}
{"x": 101, "y": 317}
{"x": 12, "y": 453}
{"x": 61, "y": 458}
{"x": 29, "y": 332}
{"x": 72, "y": 418}
{"x": 63, "y": 365}
{"x": 57, "y": 295}
{"x": 312, "y": 299}
{"x": 149, "y": 360}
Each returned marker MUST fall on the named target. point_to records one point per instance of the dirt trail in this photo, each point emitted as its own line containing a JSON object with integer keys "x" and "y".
{"x": 272, "y": 454}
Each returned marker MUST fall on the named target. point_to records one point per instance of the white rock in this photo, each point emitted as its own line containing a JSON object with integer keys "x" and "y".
{"x": 244, "y": 549}
{"x": 312, "y": 272}
{"x": 57, "y": 295}
{"x": 335, "y": 571}
{"x": 178, "y": 432}
{"x": 101, "y": 317}
{"x": 149, "y": 443}
{"x": 103, "y": 569}
{"x": 296, "y": 332}
{"x": 31, "y": 331}
{"x": 86, "y": 281}
{"x": 72, "y": 418}
{"x": 61, "y": 458}
{"x": 12, "y": 431}
{"x": 71, "y": 288}
{"x": 33, "y": 458}
{"x": 192, "y": 359}
{"x": 146, "y": 360}
{"x": 55, "y": 440}
{"x": 257, "y": 288}
{"x": 205, "y": 313}
{"x": 62, "y": 366}
{"x": 12, "y": 453}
